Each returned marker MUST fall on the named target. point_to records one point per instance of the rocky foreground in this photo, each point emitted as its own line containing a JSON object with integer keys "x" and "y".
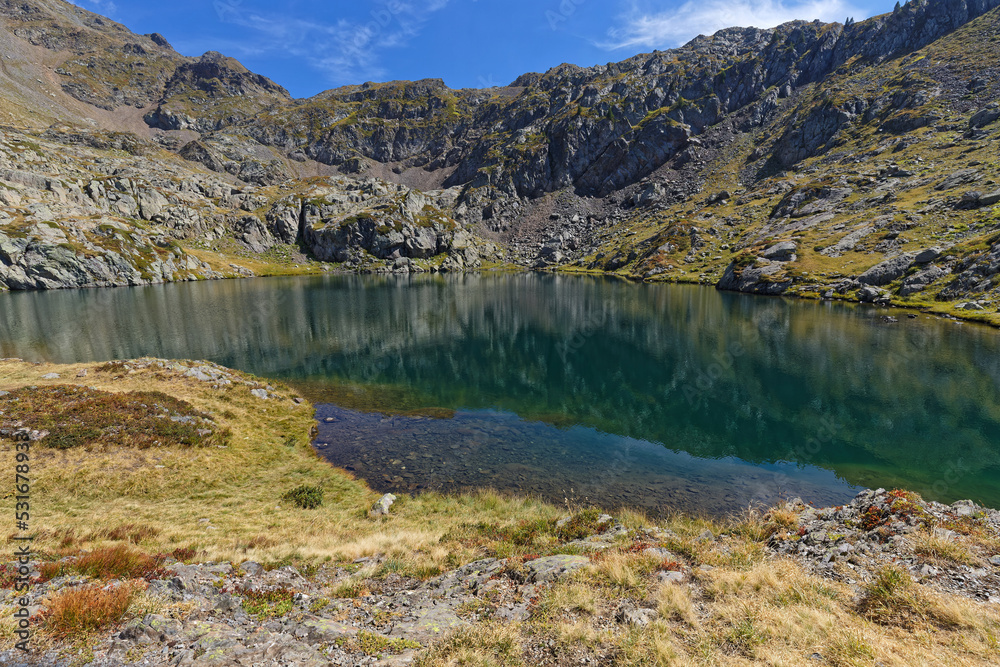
{"x": 363, "y": 613}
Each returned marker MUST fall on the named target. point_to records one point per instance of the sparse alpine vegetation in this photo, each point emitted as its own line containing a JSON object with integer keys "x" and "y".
{"x": 67, "y": 416}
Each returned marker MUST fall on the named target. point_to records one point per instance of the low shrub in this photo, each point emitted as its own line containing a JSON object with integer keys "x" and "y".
{"x": 117, "y": 562}
{"x": 264, "y": 604}
{"x": 86, "y": 609}
{"x": 80, "y": 416}
{"x": 581, "y": 525}
{"x": 305, "y": 496}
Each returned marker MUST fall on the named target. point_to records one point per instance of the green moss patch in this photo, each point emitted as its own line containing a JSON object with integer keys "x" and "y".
{"x": 266, "y": 604}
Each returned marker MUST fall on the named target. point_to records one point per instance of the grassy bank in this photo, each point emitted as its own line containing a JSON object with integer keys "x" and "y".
{"x": 217, "y": 492}
{"x": 224, "y": 500}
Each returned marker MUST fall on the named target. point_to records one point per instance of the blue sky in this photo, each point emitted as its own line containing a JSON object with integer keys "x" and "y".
{"x": 309, "y": 45}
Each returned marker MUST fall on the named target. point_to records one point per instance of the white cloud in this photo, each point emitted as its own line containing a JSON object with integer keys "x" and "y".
{"x": 671, "y": 28}
{"x": 103, "y": 7}
{"x": 347, "y": 51}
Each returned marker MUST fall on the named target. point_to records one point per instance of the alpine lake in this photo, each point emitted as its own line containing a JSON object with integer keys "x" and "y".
{"x": 580, "y": 390}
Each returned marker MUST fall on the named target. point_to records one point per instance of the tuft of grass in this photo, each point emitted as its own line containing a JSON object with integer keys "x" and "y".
{"x": 890, "y": 595}
{"x": 183, "y": 554}
{"x": 674, "y": 603}
{"x": 624, "y": 574}
{"x": 305, "y": 496}
{"x": 353, "y": 587}
{"x": 892, "y": 598}
{"x": 76, "y": 612}
{"x": 537, "y": 536}
{"x": 256, "y": 542}
{"x": 638, "y": 648}
{"x": 581, "y": 525}
{"x": 492, "y": 644}
{"x": 944, "y": 551}
{"x": 745, "y": 634}
{"x": 318, "y": 605}
{"x": 849, "y": 648}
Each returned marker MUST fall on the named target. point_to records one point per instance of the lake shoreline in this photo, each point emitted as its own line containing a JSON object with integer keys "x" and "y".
{"x": 459, "y": 575}
{"x": 644, "y": 374}
{"x": 943, "y": 309}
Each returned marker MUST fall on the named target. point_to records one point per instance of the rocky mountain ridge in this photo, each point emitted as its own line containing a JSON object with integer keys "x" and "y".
{"x": 845, "y": 147}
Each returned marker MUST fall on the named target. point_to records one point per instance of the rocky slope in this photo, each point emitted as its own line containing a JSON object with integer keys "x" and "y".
{"x": 362, "y": 613}
{"x": 812, "y": 159}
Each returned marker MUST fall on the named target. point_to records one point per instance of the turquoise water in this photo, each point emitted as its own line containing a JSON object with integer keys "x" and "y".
{"x": 576, "y": 388}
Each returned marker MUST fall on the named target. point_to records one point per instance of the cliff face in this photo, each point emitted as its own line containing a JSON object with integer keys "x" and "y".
{"x": 686, "y": 164}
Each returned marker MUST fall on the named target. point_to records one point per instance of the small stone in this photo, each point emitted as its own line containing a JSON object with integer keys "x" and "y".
{"x": 671, "y": 577}
{"x": 638, "y": 617}
{"x": 251, "y": 568}
{"x": 706, "y": 536}
{"x": 259, "y": 393}
{"x": 995, "y": 560}
{"x": 299, "y": 400}
{"x": 226, "y": 603}
{"x": 927, "y": 256}
{"x": 382, "y": 505}
{"x": 82, "y": 374}
{"x": 869, "y": 294}
{"x": 550, "y": 568}
{"x": 781, "y": 252}
{"x": 51, "y": 376}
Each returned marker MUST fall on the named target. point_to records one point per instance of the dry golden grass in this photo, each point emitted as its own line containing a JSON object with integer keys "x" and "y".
{"x": 114, "y": 562}
{"x": 942, "y": 550}
{"x": 674, "y": 603}
{"x": 622, "y": 574}
{"x": 492, "y": 644}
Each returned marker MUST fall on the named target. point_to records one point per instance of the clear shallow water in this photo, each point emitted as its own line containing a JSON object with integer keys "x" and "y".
{"x": 668, "y": 397}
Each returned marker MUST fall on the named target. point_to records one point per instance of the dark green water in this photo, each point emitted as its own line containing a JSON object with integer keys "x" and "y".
{"x": 667, "y": 397}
